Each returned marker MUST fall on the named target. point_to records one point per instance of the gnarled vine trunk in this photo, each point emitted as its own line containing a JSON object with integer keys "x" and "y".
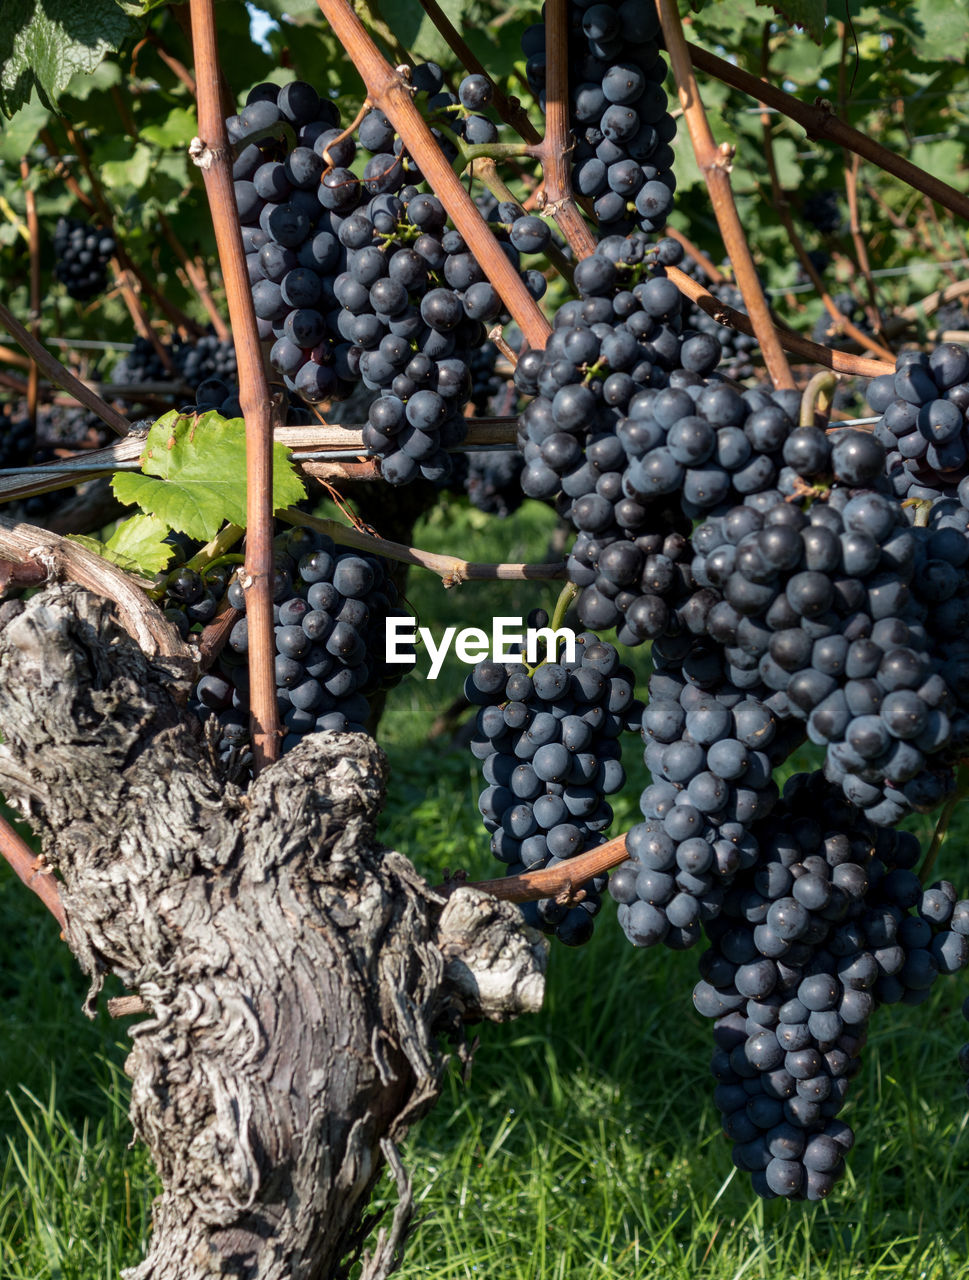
{"x": 296, "y": 975}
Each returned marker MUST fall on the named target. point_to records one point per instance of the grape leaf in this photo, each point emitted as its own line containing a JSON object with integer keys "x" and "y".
{"x": 195, "y": 474}
{"x": 137, "y": 544}
{"x": 43, "y": 43}
{"x": 809, "y": 14}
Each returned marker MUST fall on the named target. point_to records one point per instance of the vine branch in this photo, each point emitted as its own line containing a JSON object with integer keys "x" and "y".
{"x": 713, "y": 163}
{"x": 557, "y": 143}
{"x": 213, "y": 157}
{"x": 552, "y": 881}
{"x": 821, "y": 123}
{"x": 30, "y": 870}
{"x": 63, "y": 377}
{"x": 839, "y": 361}
{"x": 450, "y": 569}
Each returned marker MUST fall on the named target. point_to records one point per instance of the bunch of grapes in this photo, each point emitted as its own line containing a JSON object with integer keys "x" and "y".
{"x": 923, "y": 423}
{"x": 622, "y": 159}
{"x": 83, "y": 253}
{"x": 330, "y": 606}
{"x": 548, "y": 739}
{"x": 817, "y": 931}
{"x": 206, "y": 357}
{"x": 822, "y": 209}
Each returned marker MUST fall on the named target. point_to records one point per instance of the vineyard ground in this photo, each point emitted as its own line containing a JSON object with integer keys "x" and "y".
{"x": 586, "y": 1143}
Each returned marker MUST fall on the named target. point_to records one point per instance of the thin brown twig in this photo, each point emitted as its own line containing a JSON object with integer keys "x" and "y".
{"x": 56, "y": 372}
{"x": 839, "y": 361}
{"x": 13, "y": 384}
{"x": 387, "y": 89}
{"x": 196, "y": 278}
{"x": 861, "y": 249}
{"x": 555, "y": 881}
{"x": 935, "y": 300}
{"x": 9, "y": 356}
{"x": 175, "y": 65}
{"x": 29, "y": 868}
{"x": 509, "y": 109}
{"x": 450, "y": 569}
{"x": 713, "y": 273}
{"x": 821, "y": 124}
{"x": 842, "y": 323}
{"x": 214, "y": 158}
{"x": 713, "y": 163}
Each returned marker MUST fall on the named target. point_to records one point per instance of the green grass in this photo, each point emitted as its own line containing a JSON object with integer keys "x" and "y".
{"x": 585, "y": 1144}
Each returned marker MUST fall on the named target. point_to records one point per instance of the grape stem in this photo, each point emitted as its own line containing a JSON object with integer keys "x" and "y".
{"x": 714, "y": 163}
{"x": 451, "y": 570}
{"x": 211, "y": 153}
{"x": 562, "y": 604}
{"x": 388, "y": 90}
{"x": 942, "y": 826}
{"x": 820, "y": 122}
{"x": 63, "y": 377}
{"x": 780, "y": 202}
{"x": 224, "y": 541}
{"x": 839, "y": 361}
{"x": 551, "y": 882}
{"x": 29, "y": 868}
{"x": 817, "y": 398}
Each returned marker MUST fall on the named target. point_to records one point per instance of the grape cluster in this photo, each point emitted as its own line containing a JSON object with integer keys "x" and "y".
{"x": 814, "y": 933}
{"x": 330, "y": 607}
{"x": 206, "y": 357}
{"x": 548, "y": 740}
{"x": 923, "y": 422}
{"x": 826, "y": 329}
{"x": 83, "y": 253}
{"x": 710, "y": 750}
{"x": 635, "y": 434}
{"x": 952, "y": 316}
{"x": 822, "y": 210}
{"x": 490, "y": 477}
{"x": 619, "y": 114}
{"x": 142, "y": 364}
{"x": 16, "y": 435}
{"x": 362, "y": 279}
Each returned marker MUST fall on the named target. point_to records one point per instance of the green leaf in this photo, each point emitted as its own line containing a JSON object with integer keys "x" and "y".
{"x": 809, "y": 14}
{"x": 43, "y": 43}
{"x": 131, "y": 170}
{"x": 137, "y": 544}
{"x": 176, "y": 130}
{"x": 18, "y": 134}
{"x": 195, "y": 474}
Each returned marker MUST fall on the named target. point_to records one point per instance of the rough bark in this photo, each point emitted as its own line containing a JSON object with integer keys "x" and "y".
{"x": 296, "y": 975}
